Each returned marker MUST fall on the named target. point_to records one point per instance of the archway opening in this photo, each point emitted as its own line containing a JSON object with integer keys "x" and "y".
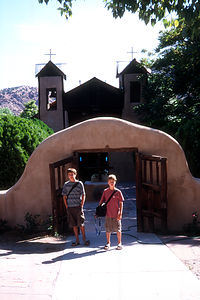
{"x": 142, "y": 179}
{"x": 94, "y": 167}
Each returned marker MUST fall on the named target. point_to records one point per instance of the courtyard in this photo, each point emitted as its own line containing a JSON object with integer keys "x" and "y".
{"x": 46, "y": 267}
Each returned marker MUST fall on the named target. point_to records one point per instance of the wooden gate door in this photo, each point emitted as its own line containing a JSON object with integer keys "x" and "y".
{"x": 57, "y": 179}
{"x": 151, "y": 193}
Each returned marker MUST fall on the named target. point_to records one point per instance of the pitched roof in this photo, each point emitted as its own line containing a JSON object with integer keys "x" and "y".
{"x": 133, "y": 67}
{"x": 94, "y": 94}
{"x": 50, "y": 69}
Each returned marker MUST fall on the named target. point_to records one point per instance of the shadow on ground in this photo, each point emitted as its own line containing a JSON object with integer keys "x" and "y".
{"x": 12, "y": 243}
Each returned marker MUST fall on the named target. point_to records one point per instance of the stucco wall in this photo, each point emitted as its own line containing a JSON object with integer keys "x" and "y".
{"x": 32, "y": 192}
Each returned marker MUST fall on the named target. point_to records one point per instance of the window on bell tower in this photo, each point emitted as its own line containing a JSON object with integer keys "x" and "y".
{"x": 51, "y": 98}
{"x": 135, "y": 91}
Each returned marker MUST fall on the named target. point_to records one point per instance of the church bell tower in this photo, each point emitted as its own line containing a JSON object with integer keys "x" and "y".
{"x": 51, "y": 89}
{"x": 132, "y": 81}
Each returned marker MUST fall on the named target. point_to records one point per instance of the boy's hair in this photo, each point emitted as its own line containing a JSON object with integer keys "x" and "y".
{"x": 71, "y": 170}
{"x": 112, "y": 176}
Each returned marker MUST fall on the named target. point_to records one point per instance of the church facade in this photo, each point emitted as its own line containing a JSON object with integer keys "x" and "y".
{"x": 93, "y": 98}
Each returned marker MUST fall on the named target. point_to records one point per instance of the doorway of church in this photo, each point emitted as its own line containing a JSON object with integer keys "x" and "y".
{"x": 142, "y": 175}
{"x": 94, "y": 167}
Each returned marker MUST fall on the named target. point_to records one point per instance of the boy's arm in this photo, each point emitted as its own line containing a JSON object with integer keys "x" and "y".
{"x": 119, "y": 217}
{"x": 65, "y": 200}
{"x": 102, "y": 198}
{"x": 82, "y": 200}
{"x": 83, "y": 194}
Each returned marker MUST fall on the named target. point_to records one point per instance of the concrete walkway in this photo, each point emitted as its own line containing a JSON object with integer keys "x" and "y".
{"x": 144, "y": 269}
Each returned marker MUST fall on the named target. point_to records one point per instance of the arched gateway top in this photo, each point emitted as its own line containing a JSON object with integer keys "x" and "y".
{"x": 32, "y": 192}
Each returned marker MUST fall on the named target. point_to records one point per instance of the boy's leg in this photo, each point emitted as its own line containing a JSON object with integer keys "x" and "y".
{"x": 107, "y": 246}
{"x": 119, "y": 237}
{"x": 108, "y": 226}
{"x": 86, "y": 242}
{"x": 108, "y": 237}
{"x": 75, "y": 228}
{"x": 82, "y": 227}
{"x": 73, "y": 224}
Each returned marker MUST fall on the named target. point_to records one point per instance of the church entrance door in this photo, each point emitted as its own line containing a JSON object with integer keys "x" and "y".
{"x": 151, "y": 193}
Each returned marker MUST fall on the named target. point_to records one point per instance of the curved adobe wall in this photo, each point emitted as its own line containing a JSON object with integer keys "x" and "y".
{"x": 32, "y": 192}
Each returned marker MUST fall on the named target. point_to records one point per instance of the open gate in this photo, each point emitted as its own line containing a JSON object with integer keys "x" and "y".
{"x": 151, "y": 193}
{"x": 151, "y": 190}
{"x": 57, "y": 179}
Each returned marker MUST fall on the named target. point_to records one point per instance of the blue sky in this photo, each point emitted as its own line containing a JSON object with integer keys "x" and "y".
{"x": 89, "y": 43}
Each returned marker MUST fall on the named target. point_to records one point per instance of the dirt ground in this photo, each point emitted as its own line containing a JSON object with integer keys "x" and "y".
{"x": 187, "y": 249}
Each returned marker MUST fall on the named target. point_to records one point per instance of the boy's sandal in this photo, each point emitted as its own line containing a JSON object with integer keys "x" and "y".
{"x": 119, "y": 247}
{"x": 74, "y": 244}
{"x": 107, "y": 247}
{"x": 87, "y": 243}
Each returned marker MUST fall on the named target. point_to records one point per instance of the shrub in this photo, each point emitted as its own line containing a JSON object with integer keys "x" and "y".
{"x": 18, "y": 139}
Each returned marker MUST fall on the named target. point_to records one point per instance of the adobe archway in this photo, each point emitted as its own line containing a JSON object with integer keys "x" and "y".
{"x": 32, "y": 192}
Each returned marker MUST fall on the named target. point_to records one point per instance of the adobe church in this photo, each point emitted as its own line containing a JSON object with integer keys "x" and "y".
{"x": 94, "y": 98}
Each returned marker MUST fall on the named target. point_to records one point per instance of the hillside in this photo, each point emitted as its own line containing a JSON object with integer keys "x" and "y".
{"x": 14, "y": 98}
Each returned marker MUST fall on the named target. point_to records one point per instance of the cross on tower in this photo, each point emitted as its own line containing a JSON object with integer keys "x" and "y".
{"x": 131, "y": 52}
{"x": 50, "y": 54}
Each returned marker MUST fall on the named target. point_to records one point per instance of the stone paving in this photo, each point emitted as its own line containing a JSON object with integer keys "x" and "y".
{"x": 49, "y": 268}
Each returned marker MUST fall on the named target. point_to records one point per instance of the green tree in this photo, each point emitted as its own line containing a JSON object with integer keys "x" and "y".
{"x": 18, "y": 139}
{"x": 30, "y": 110}
{"x": 173, "y": 92}
{"x": 188, "y": 134}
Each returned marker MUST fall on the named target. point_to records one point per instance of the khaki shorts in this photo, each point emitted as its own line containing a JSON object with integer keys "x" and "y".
{"x": 75, "y": 216}
{"x": 113, "y": 225}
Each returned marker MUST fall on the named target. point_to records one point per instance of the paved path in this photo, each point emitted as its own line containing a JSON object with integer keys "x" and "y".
{"x": 144, "y": 269}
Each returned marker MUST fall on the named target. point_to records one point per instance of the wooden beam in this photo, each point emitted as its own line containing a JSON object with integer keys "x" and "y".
{"x": 62, "y": 162}
{"x": 106, "y": 149}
